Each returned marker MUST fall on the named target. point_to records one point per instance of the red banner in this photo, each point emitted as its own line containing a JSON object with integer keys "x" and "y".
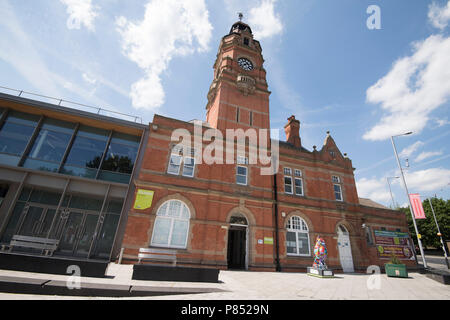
{"x": 417, "y": 207}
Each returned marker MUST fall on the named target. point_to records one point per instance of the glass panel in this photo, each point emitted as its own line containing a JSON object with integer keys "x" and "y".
{"x": 58, "y": 125}
{"x": 106, "y": 238}
{"x": 162, "y": 211}
{"x": 23, "y": 118}
{"x": 14, "y": 138}
{"x": 50, "y": 146}
{"x": 174, "y": 209}
{"x": 291, "y": 243}
{"x": 86, "y": 152}
{"x": 86, "y": 203}
{"x": 288, "y": 184}
{"x": 115, "y": 207}
{"x": 69, "y": 233}
{"x": 31, "y": 224}
{"x": 8, "y": 159}
{"x": 12, "y": 224}
{"x": 114, "y": 176}
{"x": 120, "y": 158}
{"x": 241, "y": 179}
{"x": 161, "y": 231}
{"x": 41, "y": 165}
{"x": 25, "y": 194}
{"x": 179, "y": 233}
{"x": 238, "y": 220}
{"x": 45, "y": 197}
{"x": 87, "y": 236}
{"x": 303, "y": 243}
{"x": 123, "y": 138}
{"x": 298, "y": 187}
{"x": 188, "y": 167}
{"x": 94, "y": 133}
{"x": 55, "y": 233}
{"x": 174, "y": 164}
{"x": 185, "y": 214}
{"x": 337, "y": 192}
{"x": 47, "y": 223}
{"x": 81, "y": 172}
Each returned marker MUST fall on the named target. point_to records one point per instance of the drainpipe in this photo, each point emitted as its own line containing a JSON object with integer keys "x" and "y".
{"x": 277, "y": 249}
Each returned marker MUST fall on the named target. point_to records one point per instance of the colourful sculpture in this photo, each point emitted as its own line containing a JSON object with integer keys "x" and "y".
{"x": 320, "y": 254}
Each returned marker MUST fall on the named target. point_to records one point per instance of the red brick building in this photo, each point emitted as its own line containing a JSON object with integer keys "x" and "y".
{"x": 232, "y": 216}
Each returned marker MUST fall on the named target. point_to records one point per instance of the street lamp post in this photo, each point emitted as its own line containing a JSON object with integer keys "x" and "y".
{"x": 439, "y": 234}
{"x": 407, "y": 195}
{"x": 390, "y": 190}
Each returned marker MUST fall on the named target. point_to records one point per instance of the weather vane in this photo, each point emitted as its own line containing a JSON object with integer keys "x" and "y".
{"x": 240, "y": 16}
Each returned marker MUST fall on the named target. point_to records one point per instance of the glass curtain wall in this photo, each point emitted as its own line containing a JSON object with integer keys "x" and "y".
{"x": 84, "y": 149}
{"x": 82, "y": 229}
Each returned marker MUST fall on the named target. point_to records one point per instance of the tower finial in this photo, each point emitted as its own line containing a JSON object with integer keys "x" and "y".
{"x": 240, "y": 15}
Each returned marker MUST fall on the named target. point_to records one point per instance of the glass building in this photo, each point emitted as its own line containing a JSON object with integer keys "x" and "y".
{"x": 66, "y": 175}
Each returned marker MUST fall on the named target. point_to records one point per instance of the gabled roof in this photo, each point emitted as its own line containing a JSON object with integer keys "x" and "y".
{"x": 370, "y": 203}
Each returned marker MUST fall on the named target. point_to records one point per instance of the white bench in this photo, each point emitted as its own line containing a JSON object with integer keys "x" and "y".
{"x": 154, "y": 254}
{"x": 48, "y": 246}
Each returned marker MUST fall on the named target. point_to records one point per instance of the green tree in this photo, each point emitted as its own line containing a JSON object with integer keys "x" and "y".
{"x": 427, "y": 227}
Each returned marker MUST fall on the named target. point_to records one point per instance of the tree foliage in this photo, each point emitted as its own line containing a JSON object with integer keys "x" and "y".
{"x": 427, "y": 227}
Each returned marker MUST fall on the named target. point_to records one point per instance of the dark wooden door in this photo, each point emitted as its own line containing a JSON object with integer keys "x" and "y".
{"x": 236, "y": 248}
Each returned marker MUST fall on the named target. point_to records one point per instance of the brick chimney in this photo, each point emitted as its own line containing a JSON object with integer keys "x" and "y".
{"x": 292, "y": 130}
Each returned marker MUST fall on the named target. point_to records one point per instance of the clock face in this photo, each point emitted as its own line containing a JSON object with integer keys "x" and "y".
{"x": 245, "y": 64}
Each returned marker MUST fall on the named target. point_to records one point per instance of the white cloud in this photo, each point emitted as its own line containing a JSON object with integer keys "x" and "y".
{"x": 426, "y": 155}
{"x": 439, "y": 16}
{"x": 427, "y": 180}
{"x": 170, "y": 28}
{"x": 89, "y": 78}
{"x": 408, "y": 151}
{"x": 412, "y": 89}
{"x": 81, "y": 12}
{"x": 374, "y": 189}
{"x": 263, "y": 20}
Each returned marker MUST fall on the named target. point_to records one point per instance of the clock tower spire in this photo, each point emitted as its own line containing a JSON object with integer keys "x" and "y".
{"x": 238, "y": 96}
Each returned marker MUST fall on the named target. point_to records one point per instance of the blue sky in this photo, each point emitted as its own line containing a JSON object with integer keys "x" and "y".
{"x": 323, "y": 65}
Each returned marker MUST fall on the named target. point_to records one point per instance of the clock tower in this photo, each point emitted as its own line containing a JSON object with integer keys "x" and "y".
{"x": 239, "y": 96}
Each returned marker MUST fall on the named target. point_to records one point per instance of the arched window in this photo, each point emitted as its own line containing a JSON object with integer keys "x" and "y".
{"x": 171, "y": 225}
{"x": 297, "y": 237}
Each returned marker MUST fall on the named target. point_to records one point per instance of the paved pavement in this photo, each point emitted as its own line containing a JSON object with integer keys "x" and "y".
{"x": 244, "y": 285}
{"x": 433, "y": 261}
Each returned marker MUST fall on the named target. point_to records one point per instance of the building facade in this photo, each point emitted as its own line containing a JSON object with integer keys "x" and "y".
{"x": 105, "y": 187}
{"x": 229, "y": 215}
{"x": 66, "y": 174}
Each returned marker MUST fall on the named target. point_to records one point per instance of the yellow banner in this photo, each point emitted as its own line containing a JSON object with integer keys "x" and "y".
{"x": 144, "y": 199}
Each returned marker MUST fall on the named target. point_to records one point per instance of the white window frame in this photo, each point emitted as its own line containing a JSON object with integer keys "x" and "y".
{"x": 292, "y": 186}
{"x": 295, "y": 187}
{"x": 193, "y": 167}
{"x": 287, "y": 171}
{"x": 298, "y": 173}
{"x": 296, "y": 231}
{"x": 177, "y": 151}
{"x": 336, "y": 179}
{"x": 241, "y": 175}
{"x": 179, "y": 165}
{"x": 340, "y": 192}
{"x": 172, "y": 222}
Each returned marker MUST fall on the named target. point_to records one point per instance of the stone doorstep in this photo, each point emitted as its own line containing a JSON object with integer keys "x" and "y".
{"x": 57, "y": 287}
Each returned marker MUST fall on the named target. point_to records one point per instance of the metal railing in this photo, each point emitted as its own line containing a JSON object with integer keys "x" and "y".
{"x": 67, "y": 103}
